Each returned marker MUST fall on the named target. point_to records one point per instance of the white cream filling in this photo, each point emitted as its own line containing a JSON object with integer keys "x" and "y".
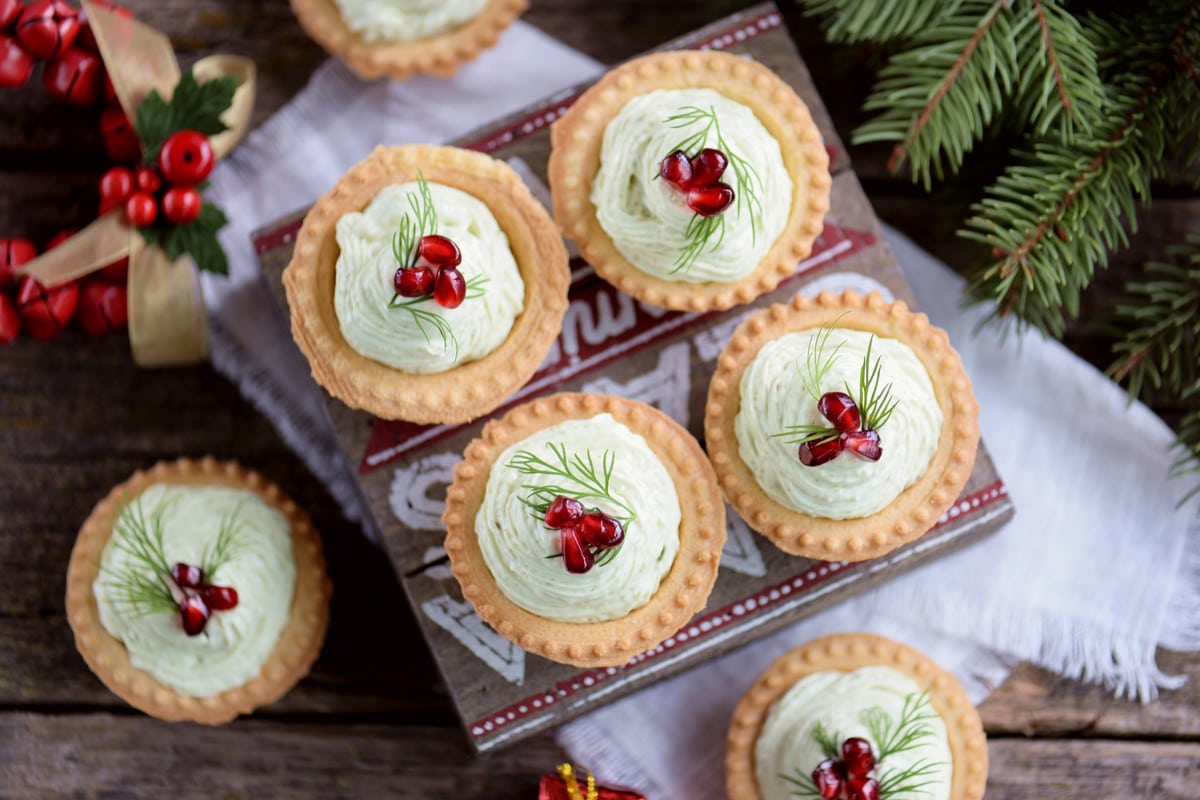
{"x": 520, "y": 551}
{"x": 773, "y": 398}
{"x": 840, "y": 702}
{"x": 406, "y": 20}
{"x": 235, "y": 643}
{"x": 647, "y": 219}
{"x": 366, "y": 268}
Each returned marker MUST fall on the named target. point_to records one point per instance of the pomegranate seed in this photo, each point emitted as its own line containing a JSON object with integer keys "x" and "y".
{"x": 676, "y": 170}
{"x": 708, "y": 201}
{"x": 187, "y": 576}
{"x": 439, "y": 251}
{"x": 577, "y": 558}
{"x": 859, "y": 789}
{"x": 828, "y": 776}
{"x": 840, "y": 409}
{"x": 708, "y": 166}
{"x": 601, "y": 530}
{"x": 194, "y": 614}
{"x": 219, "y": 598}
{"x": 563, "y": 512}
{"x": 864, "y": 444}
{"x": 814, "y": 454}
{"x": 449, "y": 288}
{"x": 414, "y": 281}
{"x": 856, "y": 752}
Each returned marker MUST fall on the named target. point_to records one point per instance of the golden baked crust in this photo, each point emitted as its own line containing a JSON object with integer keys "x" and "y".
{"x": 468, "y": 390}
{"x": 299, "y": 641}
{"x": 845, "y": 652}
{"x": 439, "y": 55}
{"x": 916, "y": 508}
{"x": 576, "y": 140}
{"x": 682, "y": 592}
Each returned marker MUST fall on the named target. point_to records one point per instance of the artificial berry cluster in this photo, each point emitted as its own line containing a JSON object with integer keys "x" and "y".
{"x": 700, "y": 179}
{"x": 850, "y": 775}
{"x": 582, "y": 533}
{"x": 842, "y": 412}
{"x": 200, "y": 598}
{"x": 433, "y": 271}
{"x": 184, "y": 161}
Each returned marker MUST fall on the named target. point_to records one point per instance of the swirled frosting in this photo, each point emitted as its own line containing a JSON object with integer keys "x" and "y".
{"x": 839, "y": 701}
{"x": 235, "y": 643}
{"x": 773, "y": 397}
{"x": 406, "y": 20}
{"x": 363, "y": 283}
{"x": 647, "y": 219}
{"x": 520, "y": 550}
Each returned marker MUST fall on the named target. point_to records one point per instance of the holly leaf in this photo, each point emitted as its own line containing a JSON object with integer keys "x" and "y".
{"x": 193, "y": 106}
{"x": 198, "y": 239}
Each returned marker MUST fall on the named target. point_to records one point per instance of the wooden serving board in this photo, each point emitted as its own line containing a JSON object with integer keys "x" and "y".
{"x": 613, "y": 344}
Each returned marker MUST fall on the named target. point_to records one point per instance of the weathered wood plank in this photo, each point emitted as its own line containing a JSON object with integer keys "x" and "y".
{"x": 1024, "y": 769}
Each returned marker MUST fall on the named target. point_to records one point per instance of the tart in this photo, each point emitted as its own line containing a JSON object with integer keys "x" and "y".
{"x": 585, "y": 528}
{"x": 397, "y": 38}
{"x": 690, "y": 180}
{"x": 197, "y": 591}
{"x": 420, "y": 211}
{"x": 797, "y": 456}
{"x": 851, "y": 708}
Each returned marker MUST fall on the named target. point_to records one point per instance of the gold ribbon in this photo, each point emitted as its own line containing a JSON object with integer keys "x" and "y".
{"x": 168, "y": 325}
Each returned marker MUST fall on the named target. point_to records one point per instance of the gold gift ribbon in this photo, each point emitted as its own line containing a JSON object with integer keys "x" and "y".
{"x": 168, "y": 325}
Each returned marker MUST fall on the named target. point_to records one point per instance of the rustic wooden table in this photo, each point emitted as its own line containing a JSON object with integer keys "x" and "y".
{"x": 372, "y": 719}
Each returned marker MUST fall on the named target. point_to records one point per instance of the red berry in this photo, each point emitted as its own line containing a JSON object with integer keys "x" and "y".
{"x": 116, "y": 185}
{"x": 110, "y": 93}
{"x": 16, "y": 65}
{"x": 840, "y": 409}
{"x": 439, "y": 251}
{"x": 9, "y": 11}
{"x": 14, "y": 253}
{"x": 864, "y": 444}
{"x": 141, "y": 209}
{"x": 576, "y": 556}
{"x": 601, "y": 530}
{"x": 856, "y": 753}
{"x": 193, "y": 613}
{"x": 708, "y": 166}
{"x": 47, "y": 28}
{"x": 829, "y": 777}
{"x": 60, "y": 237}
{"x": 814, "y": 454}
{"x": 676, "y": 170}
{"x": 103, "y": 307}
{"x": 220, "y": 598}
{"x": 414, "y": 281}
{"x": 117, "y": 271}
{"x": 450, "y": 288}
{"x": 708, "y": 201}
{"x": 10, "y": 320}
{"x": 187, "y": 576}
{"x": 120, "y": 141}
{"x": 860, "y": 789}
{"x": 46, "y": 312}
{"x": 147, "y": 179}
{"x": 181, "y": 204}
{"x": 564, "y": 511}
{"x": 75, "y": 77}
{"x": 87, "y": 40}
{"x": 186, "y": 158}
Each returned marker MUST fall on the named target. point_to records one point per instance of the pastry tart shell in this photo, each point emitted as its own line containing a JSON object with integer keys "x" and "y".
{"x": 683, "y": 591}
{"x": 915, "y": 509}
{"x": 576, "y": 141}
{"x": 846, "y": 652}
{"x": 294, "y": 652}
{"x": 466, "y": 391}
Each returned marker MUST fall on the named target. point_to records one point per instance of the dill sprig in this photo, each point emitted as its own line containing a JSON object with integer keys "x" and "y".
{"x": 221, "y": 551}
{"x": 424, "y": 317}
{"x": 420, "y": 223}
{"x": 912, "y": 729}
{"x": 143, "y": 586}
{"x": 701, "y": 231}
{"x": 828, "y": 743}
{"x": 802, "y": 785}
{"x": 875, "y": 402}
{"x": 903, "y": 784}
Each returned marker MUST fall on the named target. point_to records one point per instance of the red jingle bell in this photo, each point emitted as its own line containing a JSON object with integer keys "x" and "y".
{"x": 46, "y": 312}
{"x": 75, "y": 77}
{"x": 120, "y": 140}
{"x": 16, "y": 65}
{"x": 553, "y": 787}
{"x": 14, "y": 253}
{"x": 9, "y": 11}
{"x": 47, "y": 28}
{"x": 87, "y": 39}
{"x": 10, "y": 320}
{"x": 103, "y": 307}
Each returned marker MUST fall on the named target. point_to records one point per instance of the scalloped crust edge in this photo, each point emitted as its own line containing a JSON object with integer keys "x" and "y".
{"x": 469, "y": 390}
{"x": 915, "y": 509}
{"x": 440, "y": 55}
{"x": 681, "y": 594}
{"x": 299, "y": 642}
{"x": 575, "y": 158}
{"x": 845, "y": 652}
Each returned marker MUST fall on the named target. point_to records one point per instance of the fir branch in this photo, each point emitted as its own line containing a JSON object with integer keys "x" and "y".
{"x": 578, "y": 476}
{"x": 913, "y": 728}
{"x": 142, "y": 585}
{"x": 424, "y": 317}
{"x": 1059, "y": 87}
{"x": 904, "y": 784}
{"x": 856, "y": 21}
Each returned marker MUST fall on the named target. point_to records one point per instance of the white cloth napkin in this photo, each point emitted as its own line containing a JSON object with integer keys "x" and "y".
{"x": 1098, "y": 569}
